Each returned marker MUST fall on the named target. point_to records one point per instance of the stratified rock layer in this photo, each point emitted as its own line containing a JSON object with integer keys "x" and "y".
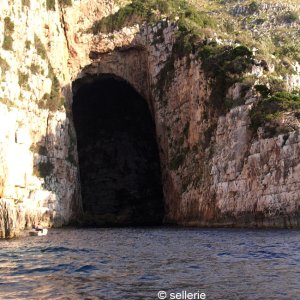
{"x": 215, "y": 170}
{"x": 38, "y": 171}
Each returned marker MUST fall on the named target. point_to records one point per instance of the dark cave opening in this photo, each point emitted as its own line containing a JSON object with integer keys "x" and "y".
{"x": 119, "y": 162}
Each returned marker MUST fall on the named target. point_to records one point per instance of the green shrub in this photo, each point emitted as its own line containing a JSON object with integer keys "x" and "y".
{"x": 290, "y": 50}
{"x": 40, "y": 48}
{"x": 263, "y": 90}
{"x": 7, "y": 102}
{"x": 23, "y": 79}
{"x": 229, "y": 26}
{"x": 65, "y": 2}
{"x": 43, "y": 169}
{"x": 253, "y": 7}
{"x": 27, "y": 45}
{"x": 8, "y": 31}
{"x": 4, "y": 65}
{"x": 270, "y": 109}
{"x": 26, "y": 3}
{"x": 185, "y": 40}
{"x": 286, "y": 101}
{"x": 131, "y": 14}
{"x": 151, "y": 11}
{"x": 259, "y": 21}
{"x": 53, "y": 101}
{"x": 225, "y": 60}
{"x": 241, "y": 51}
{"x": 277, "y": 85}
{"x": 176, "y": 161}
{"x": 41, "y": 150}
{"x": 35, "y": 69}
{"x": 209, "y": 51}
{"x": 7, "y": 43}
{"x": 50, "y": 4}
{"x": 9, "y": 26}
{"x": 289, "y": 17}
{"x": 283, "y": 68}
{"x": 42, "y": 103}
{"x": 223, "y": 63}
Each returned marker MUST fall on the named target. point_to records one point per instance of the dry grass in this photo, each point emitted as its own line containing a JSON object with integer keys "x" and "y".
{"x": 216, "y": 4}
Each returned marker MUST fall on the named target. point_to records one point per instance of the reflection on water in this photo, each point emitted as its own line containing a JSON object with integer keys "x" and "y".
{"x": 137, "y": 263}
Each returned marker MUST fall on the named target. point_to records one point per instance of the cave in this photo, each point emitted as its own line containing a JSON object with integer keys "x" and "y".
{"x": 120, "y": 173}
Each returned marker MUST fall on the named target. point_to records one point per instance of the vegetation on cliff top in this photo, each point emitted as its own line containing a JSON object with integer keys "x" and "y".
{"x": 250, "y": 23}
{"x": 190, "y": 37}
{"x": 270, "y": 27}
{"x": 270, "y": 109}
{"x": 255, "y": 24}
{"x": 228, "y": 36}
{"x": 139, "y": 11}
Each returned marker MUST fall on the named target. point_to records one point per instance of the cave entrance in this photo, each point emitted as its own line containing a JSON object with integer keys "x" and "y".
{"x": 118, "y": 155}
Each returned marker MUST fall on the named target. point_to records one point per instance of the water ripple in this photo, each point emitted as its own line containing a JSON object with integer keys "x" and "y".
{"x": 136, "y": 263}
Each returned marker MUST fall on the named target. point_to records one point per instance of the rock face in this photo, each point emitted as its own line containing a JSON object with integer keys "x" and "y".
{"x": 38, "y": 171}
{"x": 255, "y": 181}
{"x": 215, "y": 170}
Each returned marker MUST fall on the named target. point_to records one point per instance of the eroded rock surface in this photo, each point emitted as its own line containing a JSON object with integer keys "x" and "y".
{"x": 215, "y": 170}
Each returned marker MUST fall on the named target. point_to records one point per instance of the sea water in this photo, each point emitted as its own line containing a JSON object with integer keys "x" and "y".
{"x": 152, "y": 263}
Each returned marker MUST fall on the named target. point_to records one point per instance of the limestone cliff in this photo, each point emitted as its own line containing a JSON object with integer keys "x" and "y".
{"x": 217, "y": 170}
{"x": 39, "y": 176}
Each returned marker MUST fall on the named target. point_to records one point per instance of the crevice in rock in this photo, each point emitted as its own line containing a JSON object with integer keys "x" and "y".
{"x": 118, "y": 154}
{"x": 65, "y": 26}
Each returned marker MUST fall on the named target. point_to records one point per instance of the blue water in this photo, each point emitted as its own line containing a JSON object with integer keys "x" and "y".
{"x": 138, "y": 263}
